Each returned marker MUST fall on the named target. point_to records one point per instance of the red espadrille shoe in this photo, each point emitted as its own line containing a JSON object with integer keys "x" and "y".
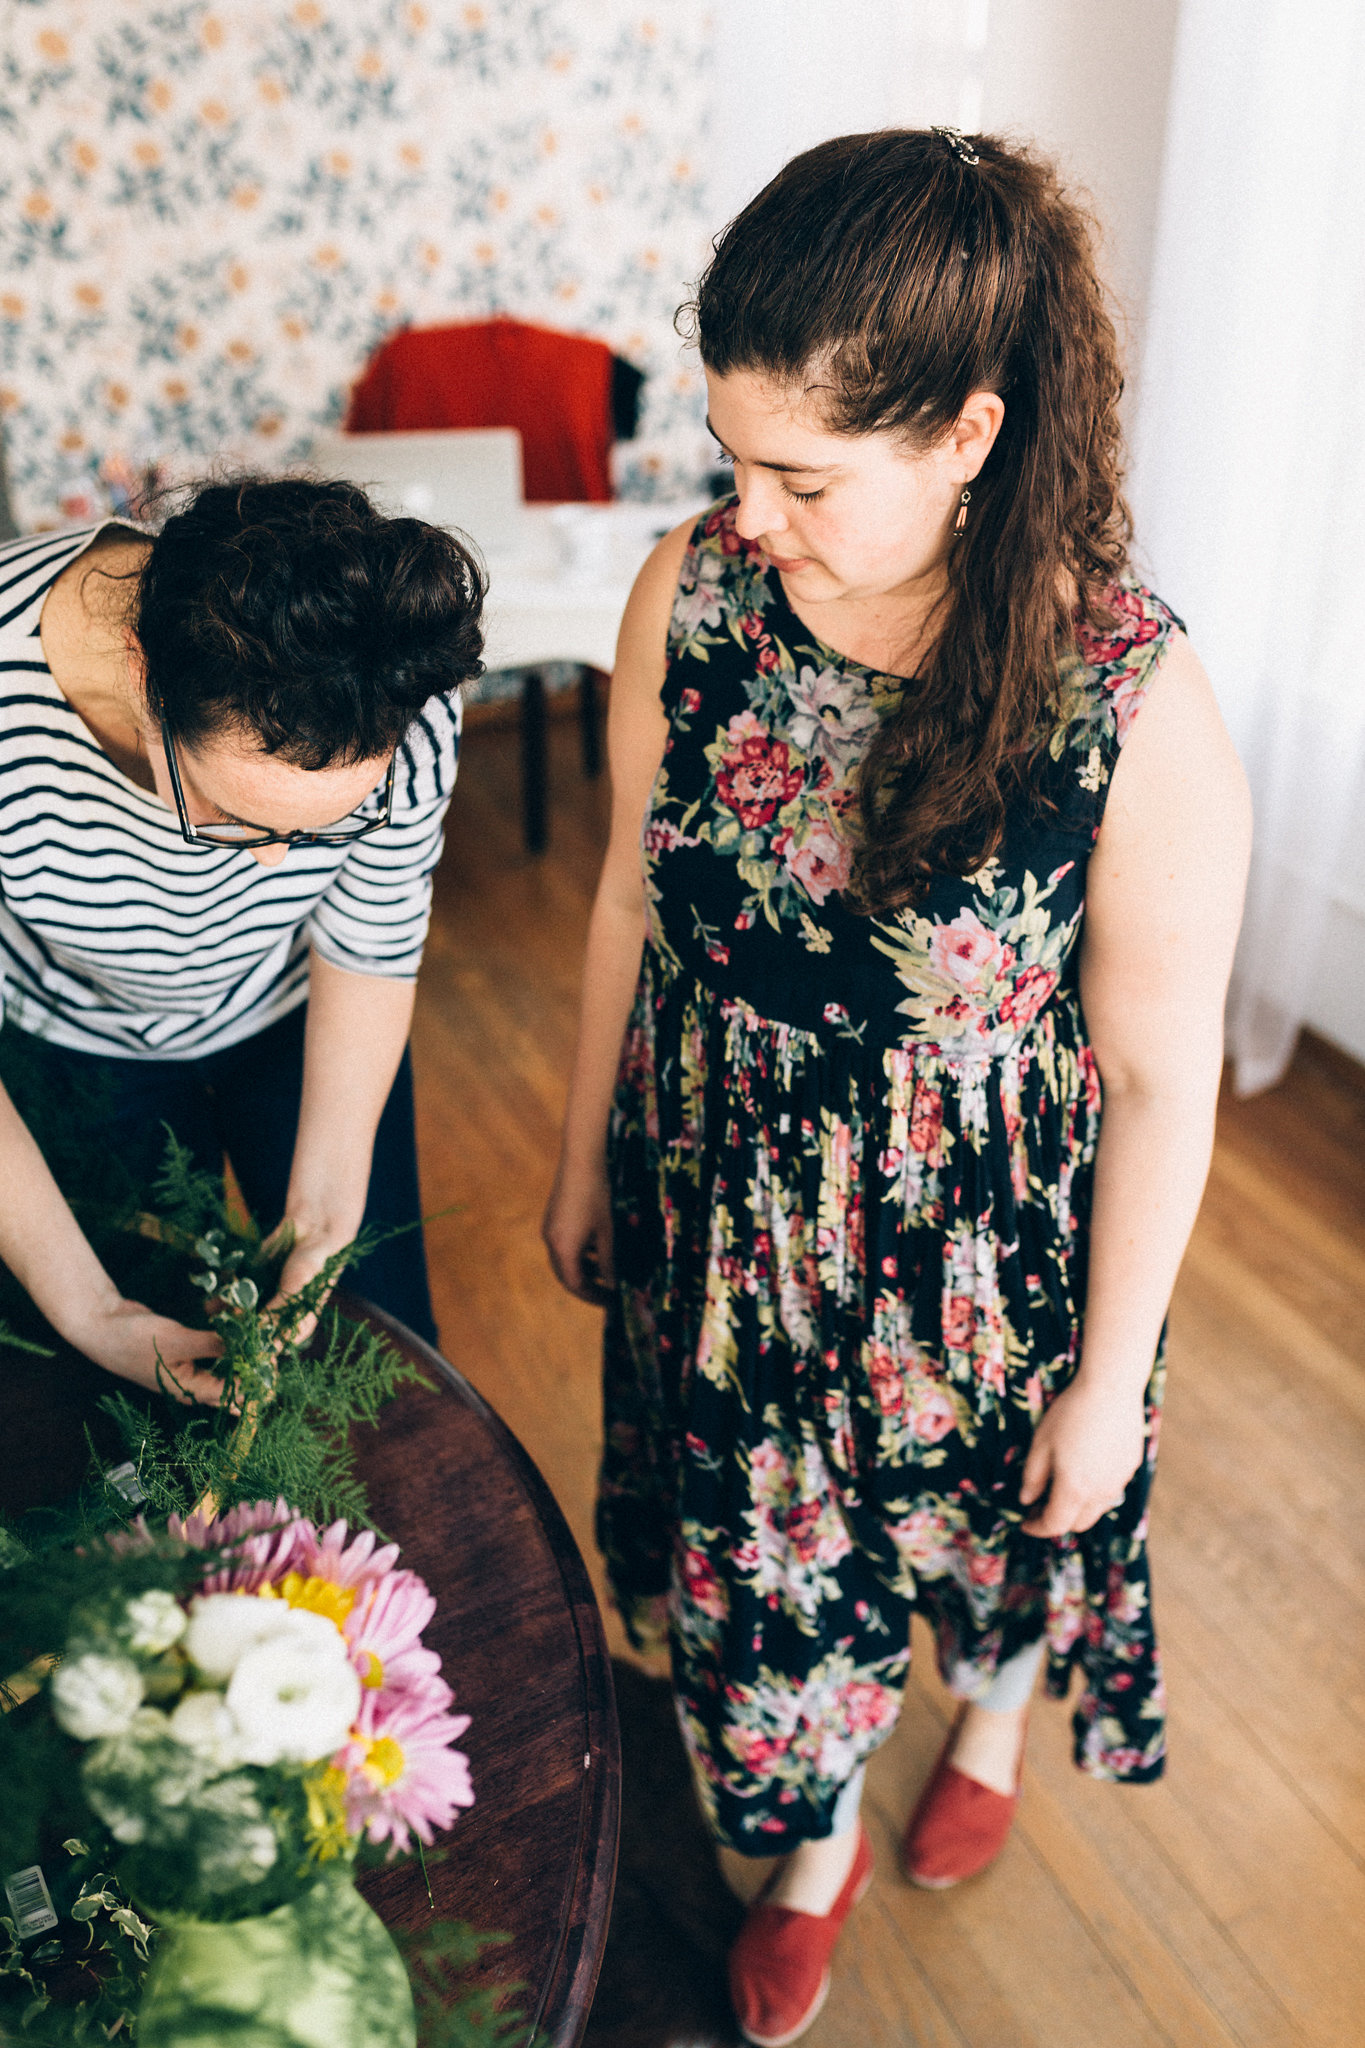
{"x": 959, "y": 1825}
{"x": 779, "y": 1965}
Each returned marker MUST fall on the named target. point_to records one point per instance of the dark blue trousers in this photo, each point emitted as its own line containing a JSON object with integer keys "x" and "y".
{"x": 245, "y": 1102}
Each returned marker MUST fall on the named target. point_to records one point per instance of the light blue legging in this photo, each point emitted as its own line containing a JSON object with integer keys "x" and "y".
{"x": 1007, "y": 1691}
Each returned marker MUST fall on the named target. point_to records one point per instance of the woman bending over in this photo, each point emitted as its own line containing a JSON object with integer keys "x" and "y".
{"x": 226, "y": 751}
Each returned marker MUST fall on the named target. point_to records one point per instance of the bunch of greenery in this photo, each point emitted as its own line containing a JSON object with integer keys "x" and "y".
{"x": 298, "y": 1374}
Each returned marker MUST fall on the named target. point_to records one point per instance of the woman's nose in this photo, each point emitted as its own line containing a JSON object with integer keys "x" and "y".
{"x": 760, "y": 508}
{"x": 268, "y": 856}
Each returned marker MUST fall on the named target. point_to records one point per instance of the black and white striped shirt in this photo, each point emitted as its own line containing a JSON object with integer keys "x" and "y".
{"x": 116, "y": 936}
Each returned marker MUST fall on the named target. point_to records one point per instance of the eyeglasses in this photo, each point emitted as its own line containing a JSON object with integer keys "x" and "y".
{"x": 229, "y": 833}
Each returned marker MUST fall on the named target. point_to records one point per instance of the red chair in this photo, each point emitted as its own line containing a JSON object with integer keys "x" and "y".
{"x": 568, "y": 397}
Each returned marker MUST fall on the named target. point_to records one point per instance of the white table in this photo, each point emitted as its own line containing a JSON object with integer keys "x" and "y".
{"x": 559, "y": 595}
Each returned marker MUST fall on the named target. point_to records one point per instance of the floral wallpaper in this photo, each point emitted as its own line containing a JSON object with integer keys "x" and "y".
{"x": 210, "y": 213}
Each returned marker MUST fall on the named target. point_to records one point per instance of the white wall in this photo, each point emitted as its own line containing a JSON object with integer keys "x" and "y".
{"x": 1084, "y": 79}
{"x": 1087, "y": 80}
{"x": 791, "y": 73}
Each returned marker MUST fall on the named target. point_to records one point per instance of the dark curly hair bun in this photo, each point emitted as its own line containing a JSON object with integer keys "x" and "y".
{"x": 293, "y": 611}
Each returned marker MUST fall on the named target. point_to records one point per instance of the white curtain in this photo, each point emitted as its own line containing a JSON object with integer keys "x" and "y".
{"x": 1250, "y": 474}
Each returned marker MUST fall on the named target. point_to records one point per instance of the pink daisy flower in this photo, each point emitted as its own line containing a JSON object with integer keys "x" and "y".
{"x": 383, "y": 1632}
{"x": 402, "y": 1775}
{"x": 327, "y": 1556}
{"x": 274, "y": 1537}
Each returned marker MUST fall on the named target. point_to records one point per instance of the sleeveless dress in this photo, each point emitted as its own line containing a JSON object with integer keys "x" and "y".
{"x": 852, "y": 1164}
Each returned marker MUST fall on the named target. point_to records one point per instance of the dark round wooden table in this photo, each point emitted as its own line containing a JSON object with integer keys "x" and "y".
{"x": 520, "y": 1641}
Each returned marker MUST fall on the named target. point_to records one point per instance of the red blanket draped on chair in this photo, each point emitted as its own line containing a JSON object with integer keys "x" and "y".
{"x": 555, "y": 389}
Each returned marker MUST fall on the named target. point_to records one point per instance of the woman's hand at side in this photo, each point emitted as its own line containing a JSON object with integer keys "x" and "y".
{"x": 577, "y": 1225}
{"x": 1084, "y": 1452}
{"x": 1163, "y": 903}
{"x": 577, "y": 1234}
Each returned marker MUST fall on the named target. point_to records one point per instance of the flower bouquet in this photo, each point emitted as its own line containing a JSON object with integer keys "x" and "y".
{"x": 213, "y": 1720}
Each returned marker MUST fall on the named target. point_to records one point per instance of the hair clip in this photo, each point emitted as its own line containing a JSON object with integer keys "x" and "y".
{"x": 957, "y": 143}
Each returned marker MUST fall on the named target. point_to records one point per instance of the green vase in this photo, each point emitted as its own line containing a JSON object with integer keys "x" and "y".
{"x": 321, "y": 1972}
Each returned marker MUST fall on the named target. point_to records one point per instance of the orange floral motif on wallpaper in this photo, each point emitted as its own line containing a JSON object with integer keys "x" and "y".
{"x": 209, "y": 215}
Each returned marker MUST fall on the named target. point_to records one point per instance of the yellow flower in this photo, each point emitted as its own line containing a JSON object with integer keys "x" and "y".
{"x": 325, "y": 1790}
{"x": 319, "y": 1596}
{"x": 384, "y": 1762}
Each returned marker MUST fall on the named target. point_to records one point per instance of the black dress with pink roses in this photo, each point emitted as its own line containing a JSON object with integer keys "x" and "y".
{"x": 852, "y": 1163}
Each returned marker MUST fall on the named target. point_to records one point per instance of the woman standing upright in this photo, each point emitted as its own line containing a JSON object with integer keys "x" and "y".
{"x": 921, "y": 995}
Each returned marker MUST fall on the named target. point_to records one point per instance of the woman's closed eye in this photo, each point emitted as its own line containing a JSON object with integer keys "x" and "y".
{"x": 725, "y": 460}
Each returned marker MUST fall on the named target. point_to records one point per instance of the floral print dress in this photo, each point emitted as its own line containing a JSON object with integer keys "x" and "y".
{"x": 852, "y": 1163}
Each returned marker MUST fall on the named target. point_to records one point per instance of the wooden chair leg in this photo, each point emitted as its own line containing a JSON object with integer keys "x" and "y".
{"x": 533, "y": 791}
{"x": 589, "y": 725}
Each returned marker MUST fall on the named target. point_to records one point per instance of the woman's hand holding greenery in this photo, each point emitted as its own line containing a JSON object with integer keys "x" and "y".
{"x": 131, "y": 1340}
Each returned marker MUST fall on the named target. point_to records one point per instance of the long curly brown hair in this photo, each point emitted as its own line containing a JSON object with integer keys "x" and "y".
{"x": 889, "y": 279}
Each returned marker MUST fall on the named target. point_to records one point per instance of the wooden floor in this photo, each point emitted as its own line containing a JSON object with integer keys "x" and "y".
{"x": 1225, "y": 1905}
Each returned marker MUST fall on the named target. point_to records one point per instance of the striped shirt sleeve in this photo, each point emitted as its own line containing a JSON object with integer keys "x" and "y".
{"x": 373, "y": 917}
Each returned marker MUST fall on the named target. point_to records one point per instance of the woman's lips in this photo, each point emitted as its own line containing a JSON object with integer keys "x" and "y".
{"x": 788, "y": 567}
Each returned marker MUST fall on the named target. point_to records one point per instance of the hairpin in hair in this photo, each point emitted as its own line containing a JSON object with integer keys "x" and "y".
{"x": 957, "y": 143}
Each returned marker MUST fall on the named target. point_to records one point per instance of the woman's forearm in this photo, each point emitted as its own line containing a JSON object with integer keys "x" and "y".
{"x": 1155, "y": 1145}
{"x": 354, "y": 1038}
{"x": 40, "y": 1240}
{"x": 611, "y": 968}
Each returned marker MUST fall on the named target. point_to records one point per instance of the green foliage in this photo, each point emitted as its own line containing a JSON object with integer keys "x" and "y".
{"x": 17, "y": 1343}
{"x": 293, "y": 1394}
{"x": 82, "y": 1983}
{"x": 284, "y": 1427}
{"x": 300, "y": 1377}
{"x": 451, "y": 2015}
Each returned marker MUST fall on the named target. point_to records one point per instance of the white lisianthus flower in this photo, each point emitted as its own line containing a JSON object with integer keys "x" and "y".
{"x": 155, "y": 1620}
{"x": 294, "y": 1700}
{"x": 224, "y": 1626}
{"x": 93, "y": 1695}
{"x": 203, "y": 1723}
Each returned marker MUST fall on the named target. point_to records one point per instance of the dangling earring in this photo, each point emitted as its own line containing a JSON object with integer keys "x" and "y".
{"x": 960, "y": 523}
